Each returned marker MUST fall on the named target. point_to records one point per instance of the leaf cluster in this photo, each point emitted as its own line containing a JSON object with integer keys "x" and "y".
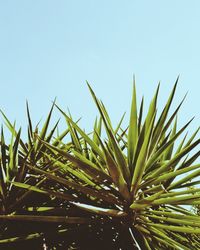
{"x": 136, "y": 184}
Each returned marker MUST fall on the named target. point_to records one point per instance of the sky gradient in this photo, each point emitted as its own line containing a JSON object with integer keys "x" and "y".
{"x": 50, "y": 48}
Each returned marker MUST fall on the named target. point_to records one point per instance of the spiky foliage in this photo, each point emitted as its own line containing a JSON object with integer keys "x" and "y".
{"x": 128, "y": 191}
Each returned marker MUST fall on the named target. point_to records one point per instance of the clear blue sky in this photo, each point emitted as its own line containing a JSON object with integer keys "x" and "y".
{"x": 49, "y": 48}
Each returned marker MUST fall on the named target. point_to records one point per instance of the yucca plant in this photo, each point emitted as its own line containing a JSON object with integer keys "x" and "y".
{"x": 131, "y": 190}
